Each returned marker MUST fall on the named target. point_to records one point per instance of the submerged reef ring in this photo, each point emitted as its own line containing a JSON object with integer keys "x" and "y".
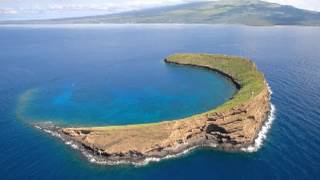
{"x": 232, "y": 126}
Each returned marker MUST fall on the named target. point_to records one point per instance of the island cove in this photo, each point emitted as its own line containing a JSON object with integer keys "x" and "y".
{"x": 233, "y": 126}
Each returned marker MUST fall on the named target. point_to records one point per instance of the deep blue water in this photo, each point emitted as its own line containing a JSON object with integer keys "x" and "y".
{"x": 115, "y": 75}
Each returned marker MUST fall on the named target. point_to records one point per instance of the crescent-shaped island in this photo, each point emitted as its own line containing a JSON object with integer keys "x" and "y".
{"x": 232, "y": 126}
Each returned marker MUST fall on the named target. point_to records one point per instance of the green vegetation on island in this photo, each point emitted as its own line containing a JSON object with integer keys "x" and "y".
{"x": 241, "y": 70}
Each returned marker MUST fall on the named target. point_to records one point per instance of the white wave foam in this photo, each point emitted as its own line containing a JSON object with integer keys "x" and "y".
{"x": 152, "y": 159}
{"x": 92, "y": 159}
{"x": 52, "y": 133}
{"x": 262, "y": 135}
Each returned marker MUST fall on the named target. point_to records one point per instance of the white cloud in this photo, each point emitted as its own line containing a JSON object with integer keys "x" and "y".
{"x": 8, "y": 11}
{"x": 85, "y": 5}
{"x": 24, "y": 9}
{"x": 313, "y": 5}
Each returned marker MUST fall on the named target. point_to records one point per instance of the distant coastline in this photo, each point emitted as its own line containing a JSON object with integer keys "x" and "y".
{"x": 235, "y": 12}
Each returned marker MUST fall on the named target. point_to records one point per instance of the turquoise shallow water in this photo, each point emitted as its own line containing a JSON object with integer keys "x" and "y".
{"x": 147, "y": 95}
{"x": 68, "y": 66}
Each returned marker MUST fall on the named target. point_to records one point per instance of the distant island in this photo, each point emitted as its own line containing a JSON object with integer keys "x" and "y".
{"x": 232, "y": 126}
{"x": 247, "y": 12}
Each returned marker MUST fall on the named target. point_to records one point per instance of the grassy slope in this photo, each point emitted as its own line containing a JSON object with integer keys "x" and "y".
{"x": 242, "y": 70}
{"x": 249, "y": 12}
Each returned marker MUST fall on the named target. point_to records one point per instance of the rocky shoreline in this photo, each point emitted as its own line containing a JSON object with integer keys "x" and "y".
{"x": 230, "y": 127}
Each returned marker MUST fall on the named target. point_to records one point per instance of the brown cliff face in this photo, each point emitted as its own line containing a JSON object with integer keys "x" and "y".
{"x": 228, "y": 129}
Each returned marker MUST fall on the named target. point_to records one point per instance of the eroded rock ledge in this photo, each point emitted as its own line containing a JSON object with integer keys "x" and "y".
{"x": 231, "y": 126}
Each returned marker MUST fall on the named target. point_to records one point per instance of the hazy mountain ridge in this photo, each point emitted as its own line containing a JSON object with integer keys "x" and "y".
{"x": 248, "y": 12}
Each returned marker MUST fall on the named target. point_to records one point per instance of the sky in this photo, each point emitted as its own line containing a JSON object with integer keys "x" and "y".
{"x": 44, "y": 9}
{"x": 313, "y": 5}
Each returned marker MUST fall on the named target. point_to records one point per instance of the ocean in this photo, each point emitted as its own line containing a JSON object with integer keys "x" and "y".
{"x": 82, "y": 75}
